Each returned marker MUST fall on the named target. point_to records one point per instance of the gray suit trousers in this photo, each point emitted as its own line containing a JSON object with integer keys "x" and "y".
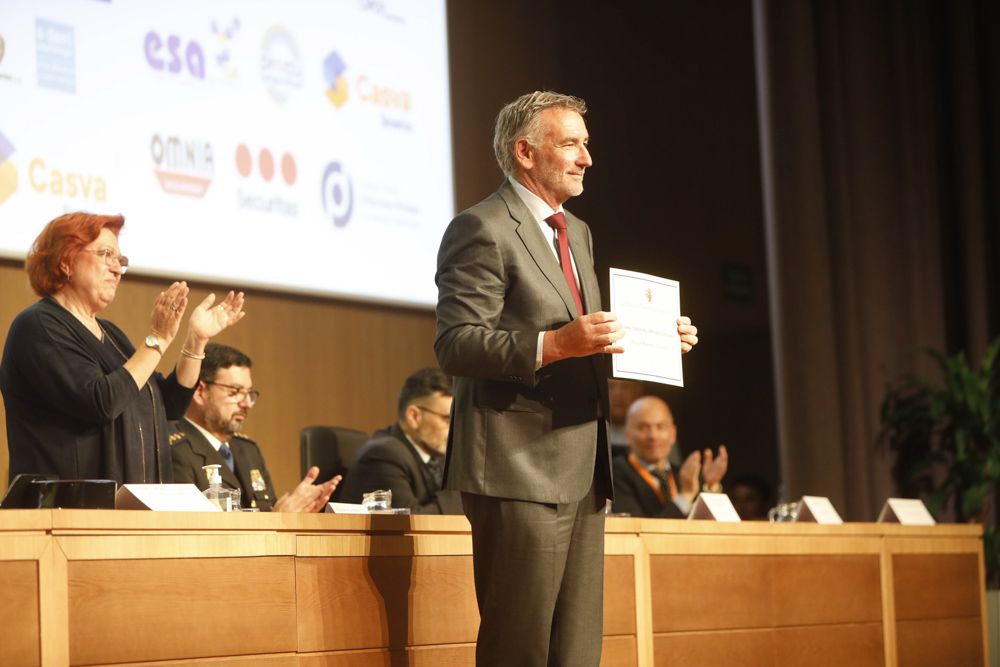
{"x": 535, "y": 567}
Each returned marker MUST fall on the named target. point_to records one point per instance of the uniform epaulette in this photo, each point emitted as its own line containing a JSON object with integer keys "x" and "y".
{"x": 244, "y": 436}
{"x": 174, "y": 438}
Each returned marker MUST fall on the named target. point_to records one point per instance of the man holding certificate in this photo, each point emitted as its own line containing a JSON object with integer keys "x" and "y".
{"x": 520, "y": 326}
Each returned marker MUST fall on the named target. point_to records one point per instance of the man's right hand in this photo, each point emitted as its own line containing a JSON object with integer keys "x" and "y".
{"x": 596, "y": 333}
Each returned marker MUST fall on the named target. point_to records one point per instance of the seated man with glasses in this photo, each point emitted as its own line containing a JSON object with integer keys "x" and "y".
{"x": 209, "y": 433}
{"x": 407, "y": 457}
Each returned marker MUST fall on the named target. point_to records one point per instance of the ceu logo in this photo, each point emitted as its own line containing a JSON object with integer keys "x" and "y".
{"x": 336, "y": 82}
{"x": 60, "y": 182}
{"x": 280, "y": 64}
{"x": 265, "y": 194}
{"x": 265, "y": 163}
{"x": 173, "y": 55}
{"x": 338, "y": 198}
{"x": 183, "y": 166}
{"x": 55, "y": 47}
{"x": 8, "y": 174}
{"x": 224, "y": 35}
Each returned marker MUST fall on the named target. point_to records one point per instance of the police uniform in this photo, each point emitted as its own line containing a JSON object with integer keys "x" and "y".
{"x": 191, "y": 450}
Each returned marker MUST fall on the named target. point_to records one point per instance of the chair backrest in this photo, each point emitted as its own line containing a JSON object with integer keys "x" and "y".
{"x": 332, "y": 448}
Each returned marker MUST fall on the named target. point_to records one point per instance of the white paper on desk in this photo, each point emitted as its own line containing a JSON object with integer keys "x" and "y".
{"x": 818, "y": 509}
{"x": 714, "y": 507}
{"x": 348, "y": 508}
{"x": 647, "y": 307}
{"x": 907, "y": 511}
{"x": 163, "y": 498}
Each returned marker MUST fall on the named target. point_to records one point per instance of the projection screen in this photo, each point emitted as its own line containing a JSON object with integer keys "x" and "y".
{"x": 297, "y": 145}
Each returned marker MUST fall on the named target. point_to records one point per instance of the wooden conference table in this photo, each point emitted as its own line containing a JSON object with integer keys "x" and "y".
{"x": 96, "y": 587}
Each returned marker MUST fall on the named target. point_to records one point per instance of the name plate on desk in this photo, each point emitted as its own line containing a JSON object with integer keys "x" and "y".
{"x": 817, "y": 509}
{"x": 907, "y": 511}
{"x": 714, "y": 507}
{"x": 163, "y": 498}
{"x": 347, "y": 508}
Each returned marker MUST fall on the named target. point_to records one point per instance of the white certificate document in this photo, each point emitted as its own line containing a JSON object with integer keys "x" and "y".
{"x": 647, "y": 307}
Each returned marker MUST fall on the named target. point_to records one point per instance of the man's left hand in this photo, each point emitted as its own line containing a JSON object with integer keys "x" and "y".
{"x": 688, "y": 333}
{"x": 307, "y": 496}
{"x": 713, "y": 468}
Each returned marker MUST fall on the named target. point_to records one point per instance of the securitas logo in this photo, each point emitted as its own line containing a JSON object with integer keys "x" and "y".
{"x": 173, "y": 54}
{"x": 280, "y": 64}
{"x": 338, "y": 196}
{"x": 8, "y": 174}
{"x": 262, "y": 190}
{"x": 183, "y": 166}
{"x": 55, "y": 46}
{"x": 336, "y": 82}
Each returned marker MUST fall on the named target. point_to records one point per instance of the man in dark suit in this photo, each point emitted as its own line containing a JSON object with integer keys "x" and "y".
{"x": 645, "y": 483}
{"x": 407, "y": 458}
{"x": 519, "y": 323}
{"x": 209, "y": 434}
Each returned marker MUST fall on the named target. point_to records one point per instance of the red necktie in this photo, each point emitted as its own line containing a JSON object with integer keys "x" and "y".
{"x": 557, "y": 221}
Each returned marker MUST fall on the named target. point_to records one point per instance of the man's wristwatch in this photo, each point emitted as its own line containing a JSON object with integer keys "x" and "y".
{"x": 154, "y": 342}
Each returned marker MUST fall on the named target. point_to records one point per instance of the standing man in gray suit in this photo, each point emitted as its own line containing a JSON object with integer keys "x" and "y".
{"x": 519, "y": 323}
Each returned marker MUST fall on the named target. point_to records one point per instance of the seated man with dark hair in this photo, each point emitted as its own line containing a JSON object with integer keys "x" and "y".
{"x": 209, "y": 434}
{"x": 645, "y": 483}
{"x": 407, "y": 458}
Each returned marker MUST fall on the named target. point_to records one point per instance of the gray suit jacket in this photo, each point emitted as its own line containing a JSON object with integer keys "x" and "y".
{"x": 516, "y": 433}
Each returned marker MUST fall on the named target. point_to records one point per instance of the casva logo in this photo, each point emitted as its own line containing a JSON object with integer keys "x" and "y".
{"x": 8, "y": 174}
{"x": 183, "y": 166}
{"x": 173, "y": 55}
{"x": 336, "y": 82}
{"x": 60, "y": 182}
{"x": 338, "y": 196}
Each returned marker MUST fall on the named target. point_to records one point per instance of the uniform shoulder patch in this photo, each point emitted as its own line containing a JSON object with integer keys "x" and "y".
{"x": 174, "y": 438}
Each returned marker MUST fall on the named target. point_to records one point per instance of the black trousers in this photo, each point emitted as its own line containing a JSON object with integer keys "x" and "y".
{"x": 539, "y": 571}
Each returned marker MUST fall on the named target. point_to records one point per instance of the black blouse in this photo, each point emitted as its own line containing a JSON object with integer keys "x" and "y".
{"x": 72, "y": 408}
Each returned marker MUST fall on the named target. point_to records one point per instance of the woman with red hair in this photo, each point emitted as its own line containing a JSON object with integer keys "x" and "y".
{"x": 81, "y": 401}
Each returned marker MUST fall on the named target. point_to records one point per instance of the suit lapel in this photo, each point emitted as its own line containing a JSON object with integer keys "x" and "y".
{"x": 204, "y": 449}
{"x": 537, "y": 245}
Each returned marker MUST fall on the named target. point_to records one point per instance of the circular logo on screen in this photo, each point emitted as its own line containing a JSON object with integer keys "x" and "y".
{"x": 280, "y": 64}
{"x": 338, "y": 196}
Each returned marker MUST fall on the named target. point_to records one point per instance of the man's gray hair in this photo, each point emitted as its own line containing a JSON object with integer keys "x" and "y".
{"x": 521, "y": 118}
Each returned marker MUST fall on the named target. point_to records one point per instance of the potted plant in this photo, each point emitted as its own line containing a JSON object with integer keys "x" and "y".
{"x": 946, "y": 438}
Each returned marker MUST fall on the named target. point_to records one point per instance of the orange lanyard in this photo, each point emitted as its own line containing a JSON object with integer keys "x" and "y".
{"x": 653, "y": 482}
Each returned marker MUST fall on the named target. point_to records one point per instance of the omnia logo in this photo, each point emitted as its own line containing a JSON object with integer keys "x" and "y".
{"x": 61, "y": 182}
{"x": 183, "y": 166}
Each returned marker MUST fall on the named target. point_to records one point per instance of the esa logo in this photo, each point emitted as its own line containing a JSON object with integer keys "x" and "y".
{"x": 338, "y": 196}
{"x": 173, "y": 55}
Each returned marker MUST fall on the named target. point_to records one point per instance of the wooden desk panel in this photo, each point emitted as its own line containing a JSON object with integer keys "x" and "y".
{"x": 19, "y": 613}
{"x": 387, "y": 590}
{"x": 163, "y": 609}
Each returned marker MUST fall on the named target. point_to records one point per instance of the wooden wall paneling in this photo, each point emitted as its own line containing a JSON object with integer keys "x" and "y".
{"x": 727, "y": 648}
{"x": 812, "y": 590}
{"x": 53, "y": 601}
{"x": 829, "y": 645}
{"x": 687, "y": 592}
{"x": 19, "y": 614}
{"x": 619, "y": 651}
{"x": 419, "y": 656}
{"x": 163, "y": 609}
{"x": 955, "y": 642}
{"x": 273, "y": 660}
{"x": 887, "y": 589}
{"x": 619, "y": 595}
{"x": 936, "y": 585}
